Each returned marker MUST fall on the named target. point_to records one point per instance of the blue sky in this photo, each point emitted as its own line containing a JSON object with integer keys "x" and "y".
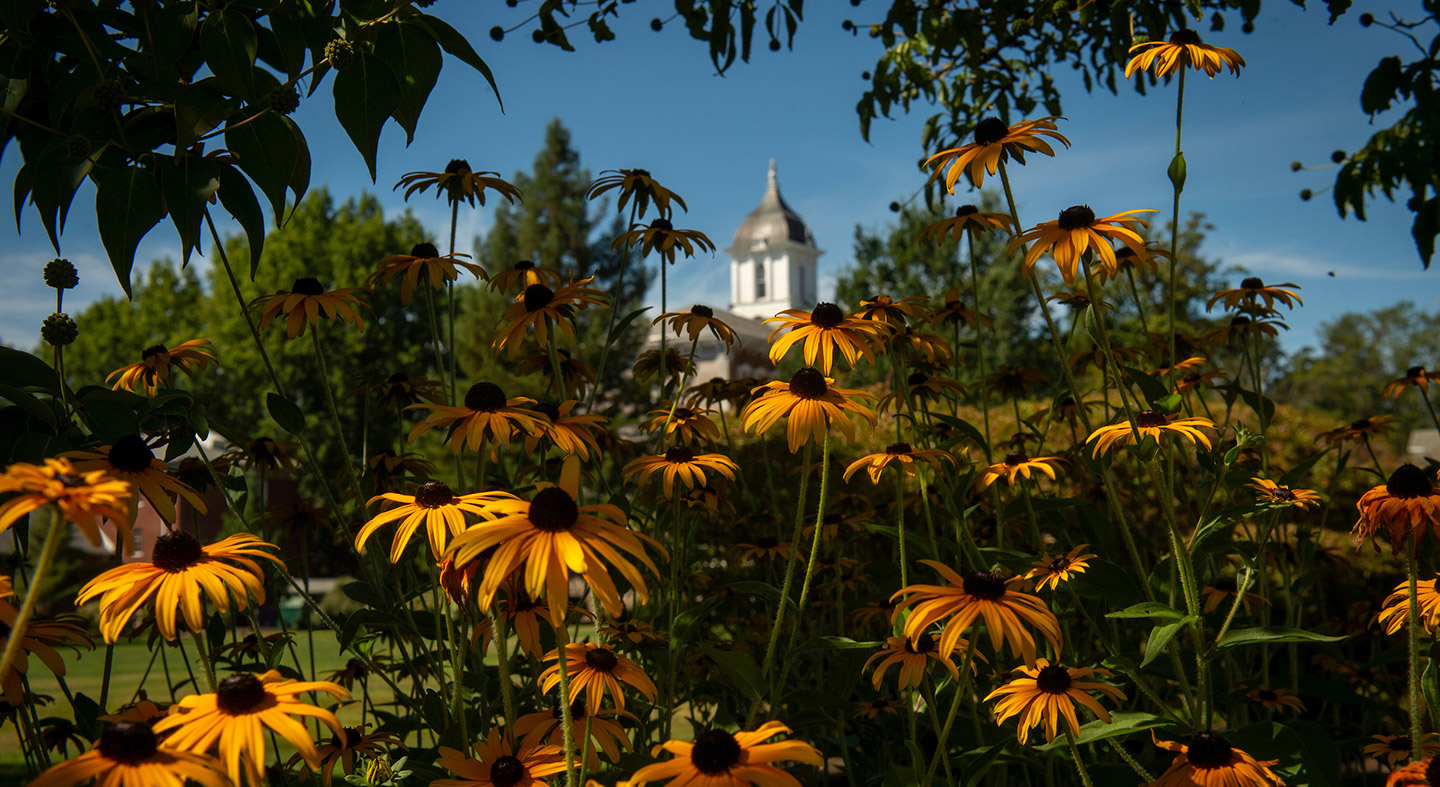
{"x": 653, "y": 100}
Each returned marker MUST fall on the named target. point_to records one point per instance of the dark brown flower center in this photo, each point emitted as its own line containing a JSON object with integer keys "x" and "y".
{"x": 352, "y": 737}
{"x": 457, "y": 166}
{"x": 925, "y": 644}
{"x": 1409, "y": 481}
{"x": 990, "y": 130}
{"x": 549, "y": 410}
{"x": 714, "y": 752}
{"x": 1053, "y": 679}
{"x": 1239, "y": 322}
{"x": 1252, "y": 283}
{"x": 537, "y": 297}
{"x": 1363, "y": 423}
{"x": 1016, "y": 458}
{"x": 1150, "y": 419}
{"x": 700, "y": 310}
{"x": 661, "y": 224}
{"x": 918, "y": 378}
{"x": 434, "y": 494}
{"x": 683, "y": 413}
{"x": 506, "y": 771}
{"x": 239, "y": 694}
{"x": 601, "y": 660}
{"x": 897, "y": 449}
{"x": 808, "y": 384}
{"x": 398, "y": 378}
{"x": 1224, "y": 584}
{"x": 1282, "y": 493}
{"x": 770, "y": 542}
{"x": 553, "y": 510}
{"x": 1415, "y": 371}
{"x": 129, "y": 454}
{"x": 679, "y": 454}
{"x": 1185, "y": 36}
{"x": 127, "y": 742}
{"x": 966, "y": 210}
{"x": 1076, "y": 217}
{"x": 826, "y": 315}
{"x": 152, "y": 351}
{"x": 577, "y": 710}
{"x": 425, "y": 251}
{"x": 1400, "y": 743}
{"x": 1208, "y": 750}
{"x": 524, "y": 265}
{"x": 1191, "y": 378}
{"x": 984, "y": 585}
{"x": 1265, "y": 695}
{"x": 1059, "y": 565}
{"x": 307, "y": 285}
{"x": 176, "y": 551}
{"x": 69, "y": 480}
{"x": 485, "y": 398}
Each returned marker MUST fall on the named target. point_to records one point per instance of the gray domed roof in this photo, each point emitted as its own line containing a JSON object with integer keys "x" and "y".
{"x": 772, "y": 221}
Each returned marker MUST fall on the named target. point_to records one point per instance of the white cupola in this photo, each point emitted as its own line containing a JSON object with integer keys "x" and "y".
{"x": 773, "y": 259}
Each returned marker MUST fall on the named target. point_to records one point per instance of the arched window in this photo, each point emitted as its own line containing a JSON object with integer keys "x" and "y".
{"x": 759, "y": 279}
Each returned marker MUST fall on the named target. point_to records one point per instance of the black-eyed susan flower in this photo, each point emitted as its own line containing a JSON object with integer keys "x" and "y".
{"x": 1252, "y": 291}
{"x": 306, "y": 303}
{"x": 596, "y": 672}
{"x": 922, "y": 348}
{"x": 1062, "y": 568}
{"x": 551, "y": 535}
{"x": 902, "y": 456}
{"x": 923, "y": 387}
{"x": 1018, "y": 463}
{"x": 694, "y": 322}
{"x": 912, "y": 657}
{"x": 1242, "y": 326}
{"x": 687, "y": 425}
{"x": 152, "y": 371}
{"x": 543, "y": 309}
{"x": 1150, "y": 423}
{"x": 131, "y": 460}
{"x": 458, "y": 182}
{"x": 575, "y": 374}
{"x": 523, "y": 274}
{"x": 181, "y": 573}
{"x": 679, "y": 462}
{"x": 811, "y": 406}
{"x": 1275, "y": 699}
{"x": 1209, "y": 760}
{"x": 1396, "y": 613}
{"x": 500, "y": 763}
{"x": 487, "y": 414}
{"x": 423, "y": 259}
{"x": 874, "y": 709}
{"x": 1012, "y": 381}
{"x": 1183, "y": 49}
{"x": 952, "y": 311}
{"x": 995, "y": 143}
{"x": 341, "y": 749}
{"x": 606, "y": 734}
{"x": 86, "y": 499}
{"x": 1221, "y": 592}
{"x": 718, "y": 758}
{"x": 236, "y": 716}
{"x": 717, "y": 390}
{"x": 1192, "y": 381}
{"x": 639, "y": 185}
{"x": 1416, "y": 376}
{"x": 677, "y": 366}
{"x": 1359, "y": 430}
{"x": 400, "y": 390}
{"x": 388, "y": 468}
{"x": 1047, "y": 693}
{"x": 1407, "y": 503}
{"x": 1395, "y": 749}
{"x": 1159, "y": 347}
{"x": 979, "y": 595}
{"x": 1076, "y": 231}
{"x": 661, "y": 237}
{"x": 128, "y": 754}
{"x": 434, "y": 505}
{"x": 765, "y": 547}
{"x": 1267, "y": 491}
{"x": 824, "y": 329}
{"x": 39, "y": 639}
{"x": 968, "y": 219}
{"x": 572, "y": 434}
{"x": 892, "y": 313}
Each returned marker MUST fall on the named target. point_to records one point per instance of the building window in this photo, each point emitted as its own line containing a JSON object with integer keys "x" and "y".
{"x": 759, "y": 279}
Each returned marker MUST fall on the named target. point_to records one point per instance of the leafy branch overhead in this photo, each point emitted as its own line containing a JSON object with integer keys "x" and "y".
{"x": 172, "y": 107}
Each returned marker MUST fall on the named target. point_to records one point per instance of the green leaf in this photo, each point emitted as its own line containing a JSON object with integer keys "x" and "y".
{"x": 837, "y": 643}
{"x": 1271, "y": 635}
{"x": 170, "y": 33}
{"x": 300, "y": 174}
{"x": 1148, "y": 384}
{"x": 1121, "y": 723}
{"x": 1177, "y": 172}
{"x": 265, "y": 149}
{"x": 199, "y": 109}
{"x": 1430, "y": 683}
{"x": 1160, "y": 636}
{"x": 285, "y": 413}
{"x": 1109, "y": 581}
{"x": 228, "y": 40}
{"x": 366, "y": 94}
{"x": 239, "y": 200}
{"x": 416, "y": 60}
{"x": 454, "y": 43}
{"x": 755, "y": 587}
{"x": 965, "y": 427}
{"x": 741, "y": 667}
{"x": 128, "y": 204}
{"x": 187, "y": 182}
{"x": 1147, "y": 609}
{"x": 24, "y": 370}
{"x": 975, "y": 763}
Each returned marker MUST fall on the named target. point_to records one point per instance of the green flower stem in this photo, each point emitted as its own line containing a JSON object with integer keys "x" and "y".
{"x": 614, "y": 314}
{"x": 1131, "y": 761}
{"x": 205, "y": 660}
{"x": 450, "y": 307}
{"x": 1175, "y": 217}
{"x": 900, "y": 525}
{"x": 435, "y": 335}
{"x": 1417, "y": 718}
{"x": 942, "y": 743}
{"x": 53, "y": 539}
{"x": 324, "y": 371}
{"x": 684, "y": 380}
{"x": 502, "y": 656}
{"x": 1111, "y": 650}
{"x": 567, "y": 719}
{"x": 105, "y": 674}
{"x": 1428, "y": 406}
{"x": 814, "y": 550}
{"x": 979, "y": 346}
{"x": 1139, "y": 304}
{"x": 789, "y": 580}
{"x": 1079, "y": 763}
{"x": 1030, "y": 514}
